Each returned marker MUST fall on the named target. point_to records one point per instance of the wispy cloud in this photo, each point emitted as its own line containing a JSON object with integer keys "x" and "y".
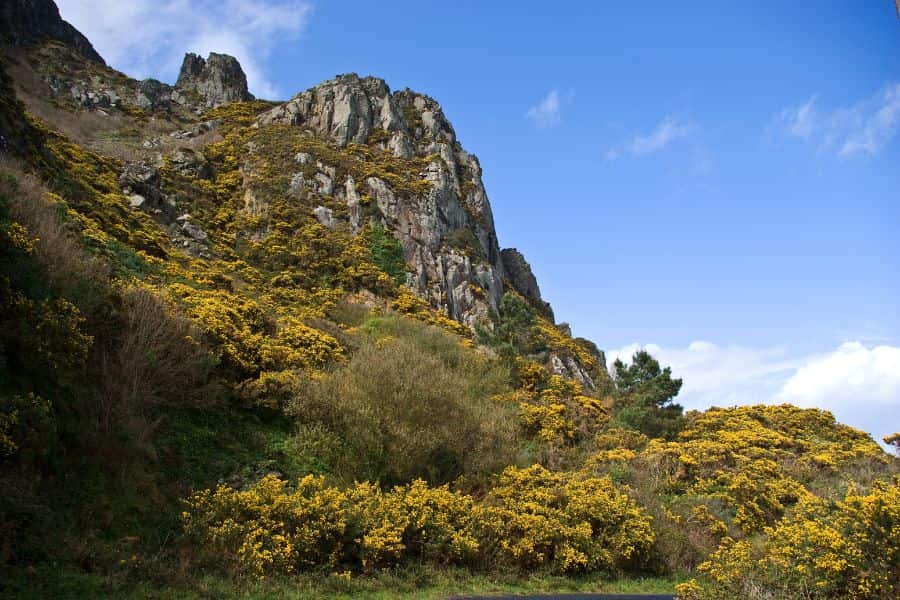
{"x": 860, "y": 384}
{"x": 548, "y": 112}
{"x": 148, "y": 38}
{"x": 864, "y": 128}
{"x": 669, "y": 130}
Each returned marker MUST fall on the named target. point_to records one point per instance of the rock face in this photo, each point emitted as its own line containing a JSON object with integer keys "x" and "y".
{"x": 219, "y": 79}
{"x": 25, "y": 22}
{"x": 520, "y": 276}
{"x": 448, "y": 233}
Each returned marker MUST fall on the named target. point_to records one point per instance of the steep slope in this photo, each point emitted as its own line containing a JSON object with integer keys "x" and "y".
{"x": 243, "y": 340}
{"x": 350, "y": 151}
{"x": 447, "y": 233}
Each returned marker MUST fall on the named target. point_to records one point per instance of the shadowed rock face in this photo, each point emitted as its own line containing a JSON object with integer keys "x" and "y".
{"x": 219, "y": 79}
{"x": 465, "y": 279}
{"x": 521, "y": 277}
{"x": 25, "y": 22}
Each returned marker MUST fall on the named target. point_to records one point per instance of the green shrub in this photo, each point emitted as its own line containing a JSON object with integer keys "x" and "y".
{"x": 411, "y": 402}
{"x": 387, "y": 253}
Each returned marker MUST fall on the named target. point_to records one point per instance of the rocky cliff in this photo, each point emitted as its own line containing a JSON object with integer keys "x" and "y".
{"x": 520, "y": 276}
{"x": 447, "y": 233}
{"x": 345, "y": 153}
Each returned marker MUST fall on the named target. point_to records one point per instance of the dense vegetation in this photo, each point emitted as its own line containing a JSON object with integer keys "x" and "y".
{"x": 285, "y": 406}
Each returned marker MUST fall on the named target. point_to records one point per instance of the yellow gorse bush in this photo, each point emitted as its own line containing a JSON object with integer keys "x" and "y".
{"x": 851, "y": 549}
{"x": 240, "y": 328}
{"x": 556, "y": 409}
{"x": 848, "y": 549}
{"x": 753, "y": 458}
{"x": 535, "y": 517}
{"x": 531, "y": 518}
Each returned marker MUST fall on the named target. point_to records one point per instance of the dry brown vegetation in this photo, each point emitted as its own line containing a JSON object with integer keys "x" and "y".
{"x": 411, "y": 402}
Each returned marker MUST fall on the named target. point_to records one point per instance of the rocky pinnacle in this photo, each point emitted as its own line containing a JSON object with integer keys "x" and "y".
{"x": 218, "y": 79}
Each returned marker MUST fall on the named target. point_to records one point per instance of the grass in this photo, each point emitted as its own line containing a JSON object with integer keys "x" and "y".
{"x": 415, "y": 583}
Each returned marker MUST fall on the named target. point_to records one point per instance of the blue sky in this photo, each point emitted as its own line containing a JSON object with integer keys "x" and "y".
{"x": 716, "y": 180}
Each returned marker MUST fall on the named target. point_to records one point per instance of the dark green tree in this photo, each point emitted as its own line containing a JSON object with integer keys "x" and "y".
{"x": 387, "y": 253}
{"x": 515, "y": 328}
{"x": 644, "y": 394}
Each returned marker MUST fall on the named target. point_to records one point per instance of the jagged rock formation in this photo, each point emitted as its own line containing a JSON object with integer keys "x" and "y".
{"x": 520, "y": 276}
{"x": 202, "y": 84}
{"x": 217, "y": 80}
{"x": 447, "y": 234}
{"x": 25, "y": 22}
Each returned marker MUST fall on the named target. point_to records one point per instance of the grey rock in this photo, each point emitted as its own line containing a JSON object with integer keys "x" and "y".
{"x": 141, "y": 178}
{"x": 325, "y": 216}
{"x": 191, "y": 164}
{"x": 153, "y": 94}
{"x": 568, "y": 367}
{"x": 522, "y": 279}
{"x": 346, "y": 109}
{"x": 351, "y": 197}
{"x": 194, "y": 232}
{"x": 327, "y": 169}
{"x": 400, "y": 146}
{"x": 217, "y": 79}
{"x": 324, "y": 184}
{"x": 350, "y": 109}
{"x": 303, "y": 158}
{"x": 298, "y": 183}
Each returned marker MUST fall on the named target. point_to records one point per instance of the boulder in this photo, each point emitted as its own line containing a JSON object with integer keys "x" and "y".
{"x": 142, "y": 179}
{"x": 191, "y": 164}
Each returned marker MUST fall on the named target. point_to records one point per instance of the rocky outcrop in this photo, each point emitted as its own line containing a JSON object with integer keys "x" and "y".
{"x": 190, "y": 163}
{"x": 465, "y": 279}
{"x": 447, "y": 233}
{"x": 26, "y": 22}
{"x": 346, "y": 109}
{"x": 219, "y": 79}
{"x": 522, "y": 279}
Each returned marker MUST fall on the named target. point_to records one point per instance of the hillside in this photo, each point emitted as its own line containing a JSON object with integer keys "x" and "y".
{"x": 249, "y": 346}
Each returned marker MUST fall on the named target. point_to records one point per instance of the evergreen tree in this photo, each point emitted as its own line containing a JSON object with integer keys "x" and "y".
{"x": 644, "y": 397}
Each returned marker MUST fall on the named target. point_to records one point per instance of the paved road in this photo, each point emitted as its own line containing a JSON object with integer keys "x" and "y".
{"x": 573, "y": 597}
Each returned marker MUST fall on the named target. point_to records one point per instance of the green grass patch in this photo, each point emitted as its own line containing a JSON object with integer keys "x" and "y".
{"x": 414, "y": 583}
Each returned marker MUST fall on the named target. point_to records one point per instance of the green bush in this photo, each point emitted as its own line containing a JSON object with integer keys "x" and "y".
{"x": 411, "y": 402}
{"x": 387, "y": 253}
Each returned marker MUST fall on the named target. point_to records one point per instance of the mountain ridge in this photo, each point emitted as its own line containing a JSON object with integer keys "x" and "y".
{"x": 252, "y": 348}
{"x": 447, "y": 233}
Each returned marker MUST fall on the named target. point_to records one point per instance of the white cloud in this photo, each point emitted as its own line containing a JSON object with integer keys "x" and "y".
{"x": 148, "y": 38}
{"x": 801, "y": 121}
{"x": 669, "y": 130}
{"x": 859, "y": 384}
{"x": 714, "y": 373}
{"x": 547, "y": 112}
{"x": 864, "y": 128}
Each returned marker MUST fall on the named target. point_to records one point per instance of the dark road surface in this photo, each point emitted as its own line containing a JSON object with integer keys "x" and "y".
{"x": 573, "y": 597}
